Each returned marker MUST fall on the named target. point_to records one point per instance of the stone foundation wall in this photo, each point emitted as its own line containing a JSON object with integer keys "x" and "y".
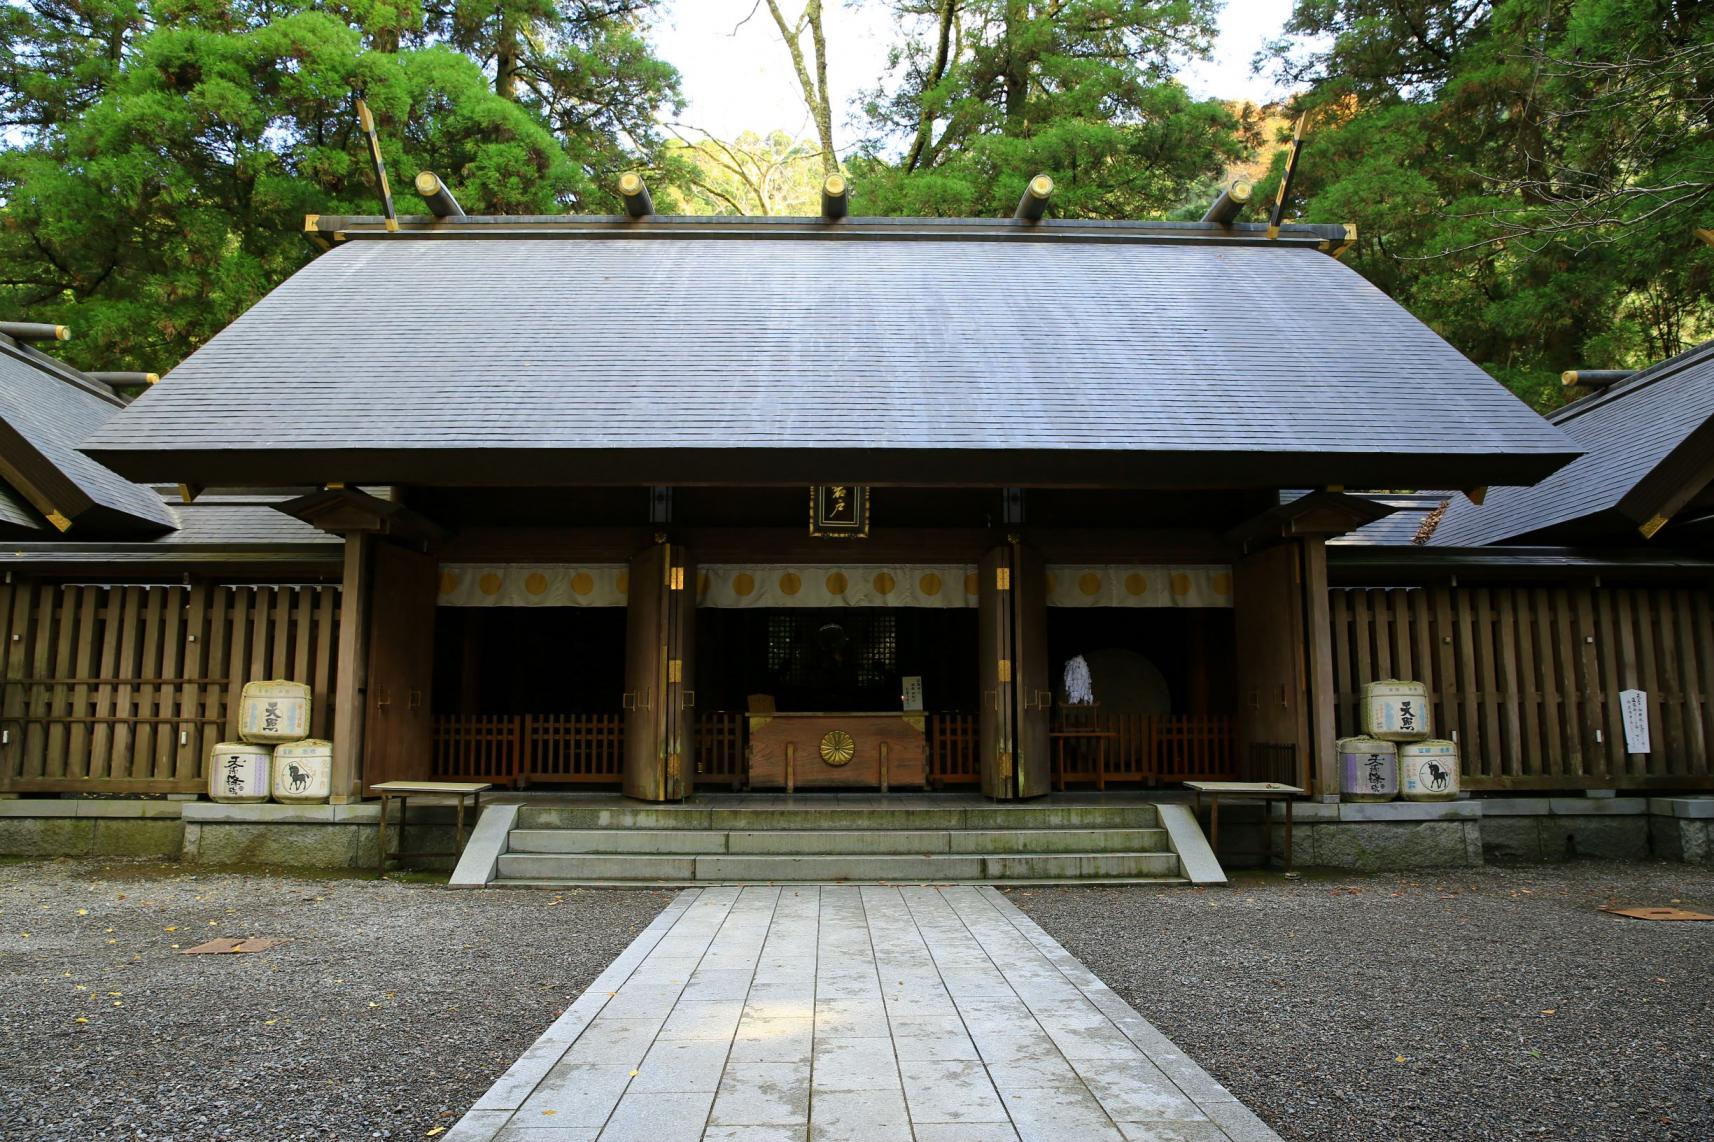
{"x": 1462, "y": 834}
{"x": 205, "y": 833}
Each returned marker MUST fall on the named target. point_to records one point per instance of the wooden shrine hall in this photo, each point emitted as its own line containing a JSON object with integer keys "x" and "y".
{"x": 829, "y": 502}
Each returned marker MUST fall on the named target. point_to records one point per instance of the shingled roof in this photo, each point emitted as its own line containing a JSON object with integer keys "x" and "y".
{"x": 46, "y": 410}
{"x": 494, "y": 351}
{"x": 1648, "y": 451}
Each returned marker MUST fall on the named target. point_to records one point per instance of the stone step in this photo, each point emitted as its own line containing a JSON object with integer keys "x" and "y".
{"x": 715, "y": 818}
{"x": 837, "y": 842}
{"x": 702, "y": 868}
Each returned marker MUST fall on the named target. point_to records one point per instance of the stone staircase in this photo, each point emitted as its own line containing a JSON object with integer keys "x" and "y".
{"x": 780, "y": 840}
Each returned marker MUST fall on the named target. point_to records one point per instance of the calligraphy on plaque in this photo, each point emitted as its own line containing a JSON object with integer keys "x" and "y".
{"x": 839, "y": 511}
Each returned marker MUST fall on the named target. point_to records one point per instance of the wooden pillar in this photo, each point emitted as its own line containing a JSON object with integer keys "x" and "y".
{"x": 351, "y": 680}
{"x": 1268, "y": 613}
{"x": 1318, "y": 641}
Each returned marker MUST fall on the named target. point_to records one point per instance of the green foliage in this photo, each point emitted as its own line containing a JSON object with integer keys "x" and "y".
{"x": 1525, "y": 176}
{"x": 985, "y": 94}
{"x": 158, "y": 198}
{"x": 750, "y": 175}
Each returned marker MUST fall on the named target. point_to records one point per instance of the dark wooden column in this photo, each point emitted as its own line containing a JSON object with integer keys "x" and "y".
{"x": 398, "y": 726}
{"x": 1034, "y": 688}
{"x": 349, "y": 689}
{"x": 660, "y": 660}
{"x": 1273, "y": 698}
{"x": 996, "y": 730}
{"x": 1016, "y": 692}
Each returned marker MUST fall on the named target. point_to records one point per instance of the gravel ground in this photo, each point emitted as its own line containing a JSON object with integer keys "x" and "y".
{"x": 391, "y": 1008}
{"x": 1483, "y": 1004}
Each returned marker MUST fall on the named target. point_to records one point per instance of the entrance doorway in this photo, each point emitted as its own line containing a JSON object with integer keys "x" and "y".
{"x": 1153, "y": 700}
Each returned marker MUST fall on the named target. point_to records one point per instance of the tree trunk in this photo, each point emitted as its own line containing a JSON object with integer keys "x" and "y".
{"x": 508, "y": 51}
{"x": 814, "y": 88}
{"x": 1017, "y": 77}
{"x": 937, "y": 71}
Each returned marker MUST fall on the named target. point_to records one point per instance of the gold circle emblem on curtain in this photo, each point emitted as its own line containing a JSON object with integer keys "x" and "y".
{"x": 838, "y": 748}
{"x": 790, "y": 583}
{"x": 536, "y": 583}
{"x": 490, "y": 583}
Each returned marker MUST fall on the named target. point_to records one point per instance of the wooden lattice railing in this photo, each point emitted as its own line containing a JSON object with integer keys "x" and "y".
{"x": 524, "y": 749}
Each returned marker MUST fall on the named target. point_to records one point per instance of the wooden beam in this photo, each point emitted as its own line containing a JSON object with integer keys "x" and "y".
{"x": 1319, "y": 514}
{"x": 1275, "y": 219}
{"x": 635, "y": 192}
{"x": 434, "y": 192}
{"x": 1233, "y": 198}
{"x": 1033, "y": 204}
{"x": 351, "y": 676}
{"x": 1595, "y": 378}
{"x": 1318, "y": 635}
{"x": 34, "y": 331}
{"x": 351, "y": 511}
{"x": 835, "y": 198}
{"x": 366, "y": 121}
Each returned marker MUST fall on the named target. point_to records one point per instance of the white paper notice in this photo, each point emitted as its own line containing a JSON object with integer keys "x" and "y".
{"x": 1634, "y": 706}
{"x": 912, "y": 686}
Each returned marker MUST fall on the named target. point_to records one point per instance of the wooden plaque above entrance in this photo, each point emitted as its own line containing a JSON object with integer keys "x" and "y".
{"x": 839, "y": 511}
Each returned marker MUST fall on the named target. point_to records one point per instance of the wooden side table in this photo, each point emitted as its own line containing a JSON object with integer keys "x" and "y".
{"x": 405, "y": 790}
{"x": 1263, "y": 791}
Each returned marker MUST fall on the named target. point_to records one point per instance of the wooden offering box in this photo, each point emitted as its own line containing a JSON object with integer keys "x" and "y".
{"x": 820, "y": 751}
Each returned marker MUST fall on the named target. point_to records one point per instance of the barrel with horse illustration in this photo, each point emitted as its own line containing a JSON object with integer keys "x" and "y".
{"x": 1428, "y": 771}
{"x": 303, "y": 771}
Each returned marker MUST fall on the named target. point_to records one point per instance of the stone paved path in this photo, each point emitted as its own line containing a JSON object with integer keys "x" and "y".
{"x": 852, "y": 1012}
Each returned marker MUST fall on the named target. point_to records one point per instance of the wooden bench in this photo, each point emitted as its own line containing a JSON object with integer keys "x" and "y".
{"x": 1263, "y": 791}
{"x": 405, "y": 790}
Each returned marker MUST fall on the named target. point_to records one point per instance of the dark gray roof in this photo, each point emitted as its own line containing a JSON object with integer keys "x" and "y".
{"x": 631, "y": 355}
{"x": 216, "y": 529}
{"x": 46, "y": 411}
{"x": 1626, "y": 431}
{"x": 1411, "y": 510}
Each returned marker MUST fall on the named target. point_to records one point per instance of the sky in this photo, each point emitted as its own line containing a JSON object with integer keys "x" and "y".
{"x": 737, "y": 75}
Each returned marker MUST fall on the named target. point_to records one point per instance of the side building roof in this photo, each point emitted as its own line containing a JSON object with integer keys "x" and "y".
{"x": 1648, "y": 452}
{"x": 46, "y": 411}
{"x": 506, "y": 352}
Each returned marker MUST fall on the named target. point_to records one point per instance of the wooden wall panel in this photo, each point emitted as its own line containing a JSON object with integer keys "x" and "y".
{"x": 1528, "y": 678}
{"x": 125, "y": 689}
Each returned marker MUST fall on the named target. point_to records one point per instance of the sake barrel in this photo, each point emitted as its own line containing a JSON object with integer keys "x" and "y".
{"x": 238, "y": 772}
{"x": 303, "y": 771}
{"x": 274, "y": 711}
{"x": 1396, "y": 711}
{"x": 1428, "y": 771}
{"x": 1368, "y": 769}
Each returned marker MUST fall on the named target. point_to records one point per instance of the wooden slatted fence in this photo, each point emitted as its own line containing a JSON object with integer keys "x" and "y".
{"x": 124, "y": 689}
{"x": 1528, "y": 678}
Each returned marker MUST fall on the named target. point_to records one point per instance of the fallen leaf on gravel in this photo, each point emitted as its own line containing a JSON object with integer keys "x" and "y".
{"x": 374, "y": 1005}
{"x": 83, "y": 911}
{"x": 174, "y": 928}
{"x": 1398, "y": 1058}
{"x": 1550, "y": 1011}
{"x": 80, "y": 1019}
{"x": 435, "y": 1130}
{"x": 269, "y": 1022}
